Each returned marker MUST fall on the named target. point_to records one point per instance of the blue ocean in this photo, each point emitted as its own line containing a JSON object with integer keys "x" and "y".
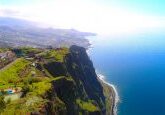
{"x": 135, "y": 64}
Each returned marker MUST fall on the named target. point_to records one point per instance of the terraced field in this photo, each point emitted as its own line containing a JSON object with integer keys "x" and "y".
{"x": 11, "y": 73}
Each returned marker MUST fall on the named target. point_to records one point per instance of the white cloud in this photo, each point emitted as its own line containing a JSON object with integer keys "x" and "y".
{"x": 85, "y": 16}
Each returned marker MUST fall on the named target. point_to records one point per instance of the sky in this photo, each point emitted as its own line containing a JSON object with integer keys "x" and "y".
{"x": 100, "y": 16}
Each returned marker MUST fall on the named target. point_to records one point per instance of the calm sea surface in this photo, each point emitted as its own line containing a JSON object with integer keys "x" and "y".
{"x": 136, "y": 66}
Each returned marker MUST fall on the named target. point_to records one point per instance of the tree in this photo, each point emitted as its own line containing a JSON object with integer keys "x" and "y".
{"x": 2, "y": 104}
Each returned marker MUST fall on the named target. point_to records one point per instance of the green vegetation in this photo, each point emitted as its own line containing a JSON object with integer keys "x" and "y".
{"x": 41, "y": 78}
{"x": 24, "y": 106}
{"x": 33, "y": 101}
{"x": 108, "y": 101}
{"x": 39, "y": 88}
{"x": 3, "y": 50}
{"x": 27, "y": 50}
{"x": 57, "y": 78}
{"x": 21, "y": 74}
{"x": 87, "y": 105}
{"x": 2, "y": 104}
{"x": 10, "y": 74}
{"x": 57, "y": 54}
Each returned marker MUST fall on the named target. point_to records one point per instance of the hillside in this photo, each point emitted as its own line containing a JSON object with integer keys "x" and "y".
{"x": 17, "y": 32}
{"x": 57, "y": 81}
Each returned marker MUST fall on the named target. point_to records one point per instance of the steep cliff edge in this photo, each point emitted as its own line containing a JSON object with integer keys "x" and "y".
{"x": 59, "y": 82}
{"x": 84, "y": 90}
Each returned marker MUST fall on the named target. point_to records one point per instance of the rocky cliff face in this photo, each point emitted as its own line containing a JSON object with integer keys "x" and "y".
{"x": 80, "y": 90}
{"x": 81, "y": 69}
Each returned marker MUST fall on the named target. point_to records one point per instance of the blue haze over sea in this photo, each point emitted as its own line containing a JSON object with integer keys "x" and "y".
{"x": 136, "y": 66}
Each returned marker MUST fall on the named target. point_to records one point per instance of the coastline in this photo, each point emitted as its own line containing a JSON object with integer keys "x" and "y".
{"x": 114, "y": 96}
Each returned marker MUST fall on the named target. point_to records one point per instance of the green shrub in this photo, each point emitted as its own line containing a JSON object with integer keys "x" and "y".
{"x": 87, "y": 105}
{"x": 2, "y": 104}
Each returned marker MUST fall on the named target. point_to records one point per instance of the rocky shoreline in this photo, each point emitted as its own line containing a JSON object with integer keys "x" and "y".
{"x": 112, "y": 94}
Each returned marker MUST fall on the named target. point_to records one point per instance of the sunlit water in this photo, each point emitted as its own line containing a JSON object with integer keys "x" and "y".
{"x": 136, "y": 66}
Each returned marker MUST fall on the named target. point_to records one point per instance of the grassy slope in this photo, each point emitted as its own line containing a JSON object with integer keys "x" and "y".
{"x": 56, "y": 55}
{"x": 12, "y": 72}
{"x": 87, "y": 105}
{"x": 108, "y": 92}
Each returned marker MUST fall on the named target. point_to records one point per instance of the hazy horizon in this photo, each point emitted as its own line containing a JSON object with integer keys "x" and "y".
{"x": 110, "y": 17}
